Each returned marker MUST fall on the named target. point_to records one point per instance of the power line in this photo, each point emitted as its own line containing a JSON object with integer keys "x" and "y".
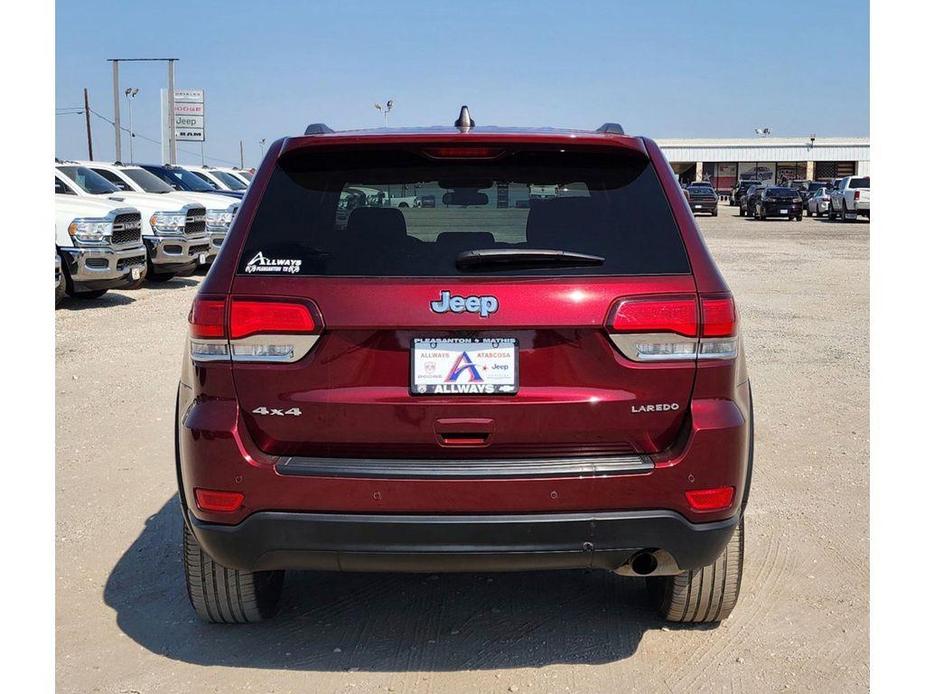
{"x": 158, "y": 142}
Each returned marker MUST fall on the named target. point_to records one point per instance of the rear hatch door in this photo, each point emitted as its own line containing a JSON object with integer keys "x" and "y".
{"x": 426, "y": 352}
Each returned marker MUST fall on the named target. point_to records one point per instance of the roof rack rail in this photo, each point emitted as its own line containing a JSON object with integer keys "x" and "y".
{"x": 318, "y": 129}
{"x": 611, "y": 129}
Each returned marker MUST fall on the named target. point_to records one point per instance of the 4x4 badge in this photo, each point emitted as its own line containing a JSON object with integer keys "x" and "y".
{"x": 482, "y": 305}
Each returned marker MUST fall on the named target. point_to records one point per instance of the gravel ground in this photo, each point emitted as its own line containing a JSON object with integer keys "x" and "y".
{"x": 123, "y": 623}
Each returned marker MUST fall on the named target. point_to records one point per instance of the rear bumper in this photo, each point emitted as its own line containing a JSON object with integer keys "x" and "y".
{"x": 703, "y": 205}
{"x": 423, "y": 543}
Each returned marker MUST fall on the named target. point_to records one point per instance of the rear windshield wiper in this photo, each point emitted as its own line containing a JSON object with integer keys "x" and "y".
{"x": 524, "y": 257}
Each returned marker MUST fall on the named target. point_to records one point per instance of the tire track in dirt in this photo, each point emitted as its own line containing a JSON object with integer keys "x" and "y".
{"x": 704, "y": 657}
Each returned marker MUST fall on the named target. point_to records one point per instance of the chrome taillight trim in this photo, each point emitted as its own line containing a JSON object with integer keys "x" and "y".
{"x": 300, "y": 344}
{"x": 628, "y": 345}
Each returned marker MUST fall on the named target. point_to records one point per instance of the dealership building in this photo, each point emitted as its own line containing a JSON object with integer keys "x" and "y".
{"x": 772, "y": 159}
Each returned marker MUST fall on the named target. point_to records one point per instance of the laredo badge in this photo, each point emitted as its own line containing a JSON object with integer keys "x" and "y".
{"x": 260, "y": 263}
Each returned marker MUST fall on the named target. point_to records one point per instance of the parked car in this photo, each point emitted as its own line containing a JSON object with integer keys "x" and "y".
{"x": 806, "y": 189}
{"x": 98, "y": 243}
{"x": 702, "y": 198}
{"x": 739, "y": 190}
{"x": 747, "y": 200}
{"x": 173, "y": 233}
{"x": 179, "y": 178}
{"x": 818, "y": 202}
{"x": 222, "y": 181}
{"x": 220, "y": 209}
{"x": 243, "y": 175}
{"x": 779, "y": 202}
{"x": 850, "y": 198}
{"x": 562, "y": 386}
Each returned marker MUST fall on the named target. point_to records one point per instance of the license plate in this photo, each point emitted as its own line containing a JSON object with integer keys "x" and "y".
{"x": 696, "y": 207}
{"x": 464, "y": 366}
{"x": 136, "y": 273}
{"x": 785, "y": 210}
{"x": 202, "y": 258}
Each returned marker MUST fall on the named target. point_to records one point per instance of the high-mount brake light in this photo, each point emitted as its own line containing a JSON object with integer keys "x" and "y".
{"x": 465, "y": 152}
{"x": 255, "y": 330}
{"x": 674, "y": 328}
{"x": 716, "y": 499}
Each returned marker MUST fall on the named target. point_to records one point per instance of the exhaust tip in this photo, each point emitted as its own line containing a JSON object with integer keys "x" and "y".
{"x": 644, "y": 563}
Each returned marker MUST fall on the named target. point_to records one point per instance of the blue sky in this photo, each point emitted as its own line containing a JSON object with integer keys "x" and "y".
{"x": 664, "y": 69}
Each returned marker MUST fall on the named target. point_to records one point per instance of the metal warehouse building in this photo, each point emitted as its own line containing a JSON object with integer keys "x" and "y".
{"x": 772, "y": 159}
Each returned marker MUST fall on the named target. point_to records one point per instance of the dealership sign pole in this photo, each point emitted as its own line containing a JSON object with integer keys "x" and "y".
{"x": 170, "y": 144}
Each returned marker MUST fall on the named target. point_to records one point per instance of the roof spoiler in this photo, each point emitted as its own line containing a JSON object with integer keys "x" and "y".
{"x": 611, "y": 129}
{"x": 318, "y": 129}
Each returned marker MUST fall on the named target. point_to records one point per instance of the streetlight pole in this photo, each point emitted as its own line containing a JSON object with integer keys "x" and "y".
{"x": 385, "y": 110}
{"x": 130, "y": 94}
{"x": 263, "y": 141}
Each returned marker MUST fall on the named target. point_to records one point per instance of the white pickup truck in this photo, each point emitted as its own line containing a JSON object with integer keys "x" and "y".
{"x": 99, "y": 246}
{"x": 220, "y": 209}
{"x": 174, "y": 232}
{"x": 850, "y": 198}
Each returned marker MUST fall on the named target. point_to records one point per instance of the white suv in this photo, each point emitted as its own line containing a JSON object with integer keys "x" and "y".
{"x": 174, "y": 233}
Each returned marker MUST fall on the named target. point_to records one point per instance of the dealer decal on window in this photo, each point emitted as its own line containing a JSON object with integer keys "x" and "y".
{"x": 260, "y": 263}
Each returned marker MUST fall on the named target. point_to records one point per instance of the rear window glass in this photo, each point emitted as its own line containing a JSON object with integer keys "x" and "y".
{"x": 783, "y": 193}
{"x": 859, "y": 182}
{"x": 398, "y": 213}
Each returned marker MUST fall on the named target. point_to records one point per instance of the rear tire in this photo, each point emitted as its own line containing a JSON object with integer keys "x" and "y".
{"x": 705, "y": 595}
{"x": 228, "y": 596}
{"x": 715, "y": 211}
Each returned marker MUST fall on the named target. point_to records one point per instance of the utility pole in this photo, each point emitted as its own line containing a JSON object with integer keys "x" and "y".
{"x": 87, "y": 115}
{"x": 117, "y": 122}
{"x": 241, "y": 142}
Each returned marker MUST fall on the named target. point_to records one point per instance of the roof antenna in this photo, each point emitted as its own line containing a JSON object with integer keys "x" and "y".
{"x": 464, "y": 122}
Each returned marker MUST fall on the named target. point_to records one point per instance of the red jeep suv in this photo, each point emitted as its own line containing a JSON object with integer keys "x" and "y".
{"x": 464, "y": 349}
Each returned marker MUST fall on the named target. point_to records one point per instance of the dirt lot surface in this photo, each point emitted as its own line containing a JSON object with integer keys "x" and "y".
{"x": 124, "y": 625}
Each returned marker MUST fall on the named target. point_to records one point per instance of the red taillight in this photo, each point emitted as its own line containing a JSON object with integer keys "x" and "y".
{"x": 220, "y": 502}
{"x": 719, "y": 317}
{"x": 674, "y": 328}
{"x": 207, "y": 318}
{"x": 857, "y": 195}
{"x": 265, "y": 330}
{"x": 269, "y": 318}
{"x": 465, "y": 152}
{"x": 715, "y": 499}
{"x": 677, "y": 315}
